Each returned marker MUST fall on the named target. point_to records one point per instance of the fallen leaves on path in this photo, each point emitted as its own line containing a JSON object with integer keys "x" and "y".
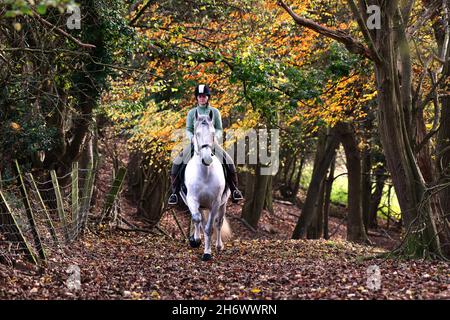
{"x": 129, "y": 266}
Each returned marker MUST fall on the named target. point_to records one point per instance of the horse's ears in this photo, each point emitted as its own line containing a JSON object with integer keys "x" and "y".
{"x": 211, "y": 114}
{"x": 196, "y": 114}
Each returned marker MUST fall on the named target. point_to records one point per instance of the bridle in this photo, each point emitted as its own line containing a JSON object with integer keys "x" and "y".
{"x": 203, "y": 146}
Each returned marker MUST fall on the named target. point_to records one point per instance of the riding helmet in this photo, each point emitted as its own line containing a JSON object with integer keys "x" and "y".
{"x": 202, "y": 89}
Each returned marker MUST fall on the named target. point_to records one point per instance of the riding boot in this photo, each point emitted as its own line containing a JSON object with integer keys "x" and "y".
{"x": 173, "y": 199}
{"x": 236, "y": 194}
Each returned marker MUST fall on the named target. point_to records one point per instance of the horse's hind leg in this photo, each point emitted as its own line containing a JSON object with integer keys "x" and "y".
{"x": 218, "y": 226}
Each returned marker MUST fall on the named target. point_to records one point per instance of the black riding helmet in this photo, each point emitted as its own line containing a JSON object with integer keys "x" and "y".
{"x": 202, "y": 89}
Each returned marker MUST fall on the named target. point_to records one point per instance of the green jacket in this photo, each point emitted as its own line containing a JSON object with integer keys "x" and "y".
{"x": 202, "y": 111}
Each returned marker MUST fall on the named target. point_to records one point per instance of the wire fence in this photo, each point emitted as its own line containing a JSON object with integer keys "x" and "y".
{"x": 38, "y": 215}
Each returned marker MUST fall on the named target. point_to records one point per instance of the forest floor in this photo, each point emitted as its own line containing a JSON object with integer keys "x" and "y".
{"x": 259, "y": 264}
{"x": 264, "y": 264}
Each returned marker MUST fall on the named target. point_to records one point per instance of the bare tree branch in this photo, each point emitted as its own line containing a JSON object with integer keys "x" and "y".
{"x": 362, "y": 25}
{"x": 352, "y": 45}
{"x": 62, "y": 32}
{"x": 445, "y": 45}
{"x": 406, "y": 10}
{"x": 141, "y": 12}
{"x": 411, "y": 30}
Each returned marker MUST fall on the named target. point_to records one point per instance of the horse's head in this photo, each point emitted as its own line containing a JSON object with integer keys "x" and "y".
{"x": 204, "y": 136}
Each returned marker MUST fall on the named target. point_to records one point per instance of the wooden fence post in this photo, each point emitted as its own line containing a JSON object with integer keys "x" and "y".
{"x": 75, "y": 207}
{"x": 18, "y": 231}
{"x": 60, "y": 204}
{"x": 30, "y": 216}
{"x": 49, "y": 222}
{"x": 88, "y": 190}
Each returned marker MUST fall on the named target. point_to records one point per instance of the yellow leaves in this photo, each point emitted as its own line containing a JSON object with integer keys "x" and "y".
{"x": 46, "y": 279}
{"x": 347, "y": 25}
{"x": 249, "y": 121}
{"x": 346, "y": 99}
{"x": 246, "y": 54}
{"x": 17, "y": 26}
{"x": 15, "y": 126}
{"x": 270, "y": 5}
{"x": 293, "y": 119}
{"x": 369, "y": 96}
{"x": 155, "y": 131}
{"x": 133, "y": 295}
{"x": 247, "y": 16}
{"x": 34, "y": 290}
{"x": 342, "y": 100}
{"x": 241, "y": 127}
{"x": 363, "y": 145}
{"x": 88, "y": 244}
{"x": 255, "y": 290}
{"x": 155, "y": 295}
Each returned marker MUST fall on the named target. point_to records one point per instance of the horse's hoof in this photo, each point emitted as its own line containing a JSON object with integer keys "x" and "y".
{"x": 194, "y": 243}
{"x": 206, "y": 257}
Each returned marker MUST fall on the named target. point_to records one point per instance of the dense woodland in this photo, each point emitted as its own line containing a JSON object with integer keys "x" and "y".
{"x": 351, "y": 101}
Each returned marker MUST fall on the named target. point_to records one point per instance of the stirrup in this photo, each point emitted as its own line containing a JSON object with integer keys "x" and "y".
{"x": 173, "y": 199}
{"x": 237, "y": 195}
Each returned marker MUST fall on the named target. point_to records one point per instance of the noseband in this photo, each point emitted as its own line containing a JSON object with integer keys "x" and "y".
{"x": 203, "y": 147}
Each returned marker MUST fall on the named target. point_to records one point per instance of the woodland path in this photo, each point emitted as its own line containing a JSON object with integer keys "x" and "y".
{"x": 130, "y": 265}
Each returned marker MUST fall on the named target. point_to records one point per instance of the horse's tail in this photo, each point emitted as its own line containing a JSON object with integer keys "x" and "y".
{"x": 226, "y": 230}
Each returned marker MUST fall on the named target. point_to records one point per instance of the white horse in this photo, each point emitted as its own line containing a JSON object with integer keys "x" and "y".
{"x": 206, "y": 188}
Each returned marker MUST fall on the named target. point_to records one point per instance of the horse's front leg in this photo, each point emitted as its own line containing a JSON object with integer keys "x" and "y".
{"x": 208, "y": 233}
{"x": 194, "y": 208}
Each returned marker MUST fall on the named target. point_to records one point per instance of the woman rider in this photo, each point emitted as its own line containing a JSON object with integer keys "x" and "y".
{"x": 202, "y": 95}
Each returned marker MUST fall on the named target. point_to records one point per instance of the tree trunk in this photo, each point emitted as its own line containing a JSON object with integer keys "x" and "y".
{"x": 87, "y": 88}
{"x": 268, "y": 200}
{"x": 254, "y": 202}
{"x": 291, "y": 176}
{"x": 390, "y": 51}
{"x": 148, "y": 188}
{"x": 443, "y": 138}
{"x": 290, "y": 188}
{"x": 441, "y": 201}
{"x": 424, "y": 156}
{"x": 315, "y": 229}
{"x": 321, "y": 145}
{"x": 327, "y": 200}
{"x": 375, "y": 199}
{"x": 261, "y": 191}
{"x": 395, "y": 137}
{"x": 366, "y": 189}
{"x": 443, "y": 155}
{"x": 355, "y": 225}
{"x": 299, "y": 176}
{"x": 320, "y": 170}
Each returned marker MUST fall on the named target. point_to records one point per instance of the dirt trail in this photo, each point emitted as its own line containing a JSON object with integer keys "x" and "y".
{"x": 130, "y": 265}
